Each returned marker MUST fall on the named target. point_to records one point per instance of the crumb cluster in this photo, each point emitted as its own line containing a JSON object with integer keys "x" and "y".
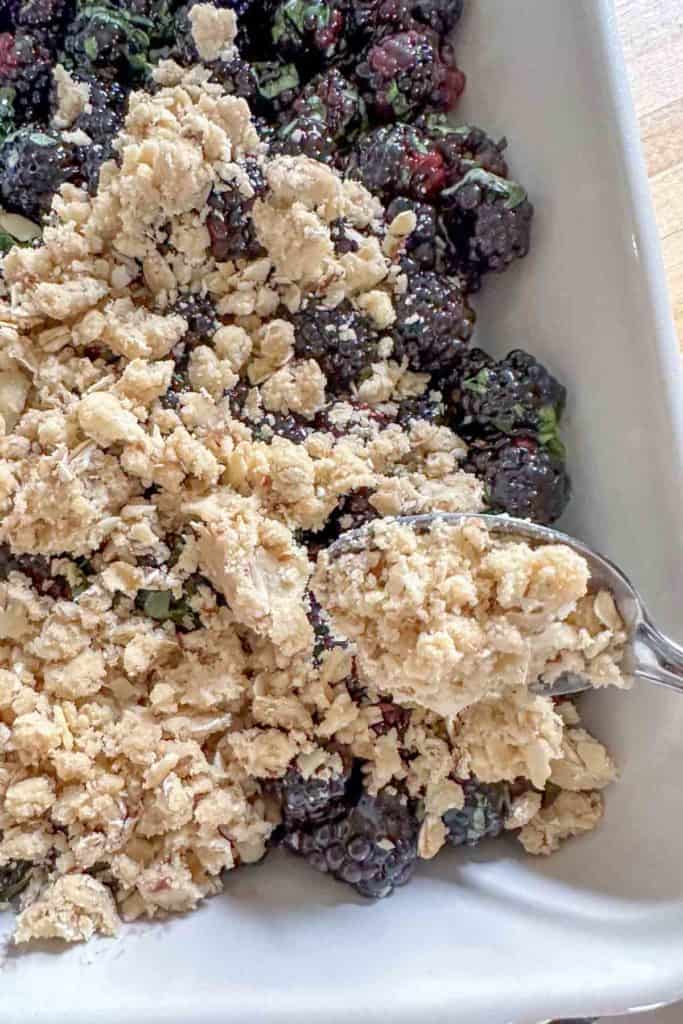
{"x": 158, "y": 657}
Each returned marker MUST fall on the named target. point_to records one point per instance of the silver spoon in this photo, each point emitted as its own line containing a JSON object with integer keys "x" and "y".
{"x": 649, "y": 654}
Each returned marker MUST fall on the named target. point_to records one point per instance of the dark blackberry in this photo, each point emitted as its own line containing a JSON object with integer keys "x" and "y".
{"x": 156, "y": 16}
{"x": 373, "y": 848}
{"x": 425, "y": 245}
{"x": 14, "y": 877}
{"x": 488, "y": 223}
{"x": 374, "y": 17}
{"x": 354, "y": 511}
{"x": 305, "y": 136}
{"x": 521, "y": 477}
{"x": 111, "y": 43}
{"x": 229, "y": 222}
{"x": 277, "y": 86}
{"x": 313, "y": 801}
{"x": 312, "y": 32}
{"x": 26, "y": 76}
{"x": 433, "y": 322}
{"x": 7, "y": 122}
{"x": 33, "y": 165}
{"x": 340, "y": 340}
{"x": 515, "y": 393}
{"x": 45, "y": 18}
{"x": 482, "y": 817}
{"x": 37, "y": 569}
{"x": 202, "y": 320}
{"x": 463, "y": 147}
{"x": 399, "y": 160}
{"x": 101, "y": 123}
{"x": 429, "y": 407}
{"x": 270, "y": 424}
{"x": 393, "y": 717}
{"x": 236, "y": 76}
{"x": 335, "y": 101}
{"x": 406, "y": 73}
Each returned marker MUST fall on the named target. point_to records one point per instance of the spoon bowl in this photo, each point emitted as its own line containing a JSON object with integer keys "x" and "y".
{"x": 649, "y": 653}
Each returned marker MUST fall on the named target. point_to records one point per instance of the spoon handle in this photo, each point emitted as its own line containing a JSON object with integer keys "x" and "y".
{"x": 657, "y": 658}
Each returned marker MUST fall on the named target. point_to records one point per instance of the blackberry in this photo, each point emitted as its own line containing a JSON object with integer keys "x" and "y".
{"x": 291, "y": 427}
{"x": 305, "y": 136}
{"x": 376, "y": 16}
{"x": 488, "y": 223}
{"x": 101, "y": 123}
{"x": 521, "y": 477}
{"x": 229, "y": 222}
{"x": 353, "y": 511}
{"x": 26, "y": 76}
{"x": 425, "y": 244}
{"x": 429, "y": 407}
{"x": 200, "y": 314}
{"x": 340, "y": 340}
{"x": 111, "y": 43}
{"x": 335, "y": 101}
{"x": 37, "y": 569}
{"x": 399, "y": 160}
{"x": 277, "y": 87}
{"x": 313, "y": 801}
{"x": 393, "y": 717}
{"x": 156, "y": 16}
{"x": 237, "y": 77}
{"x": 14, "y": 877}
{"x": 463, "y": 147}
{"x": 33, "y": 165}
{"x": 515, "y": 393}
{"x": 45, "y": 18}
{"x": 372, "y": 848}
{"x": 312, "y": 32}
{"x": 433, "y": 322}
{"x": 408, "y": 72}
{"x": 482, "y": 817}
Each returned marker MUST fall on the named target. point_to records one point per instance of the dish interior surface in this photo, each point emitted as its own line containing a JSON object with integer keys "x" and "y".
{"x": 489, "y": 936}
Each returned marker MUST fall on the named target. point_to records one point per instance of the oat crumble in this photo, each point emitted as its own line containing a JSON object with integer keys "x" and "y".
{"x": 167, "y": 673}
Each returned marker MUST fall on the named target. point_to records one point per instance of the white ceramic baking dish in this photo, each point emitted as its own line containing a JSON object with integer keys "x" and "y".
{"x": 490, "y": 937}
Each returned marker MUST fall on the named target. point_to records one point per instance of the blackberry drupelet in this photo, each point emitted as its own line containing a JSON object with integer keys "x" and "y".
{"x": 354, "y": 510}
{"x": 373, "y": 848}
{"x": 433, "y": 322}
{"x": 406, "y": 73}
{"x": 521, "y": 477}
{"x": 341, "y": 341}
{"x": 33, "y": 165}
{"x": 14, "y": 877}
{"x": 312, "y": 32}
{"x": 37, "y": 569}
{"x": 229, "y": 223}
{"x": 335, "y": 101}
{"x": 425, "y": 245}
{"x": 515, "y": 393}
{"x": 488, "y": 223}
{"x": 399, "y": 160}
{"x": 202, "y": 319}
{"x": 26, "y": 76}
{"x": 237, "y": 77}
{"x": 111, "y": 43}
{"x": 482, "y": 817}
{"x": 313, "y": 801}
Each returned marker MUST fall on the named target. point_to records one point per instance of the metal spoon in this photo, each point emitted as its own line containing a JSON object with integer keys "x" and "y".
{"x": 649, "y": 654}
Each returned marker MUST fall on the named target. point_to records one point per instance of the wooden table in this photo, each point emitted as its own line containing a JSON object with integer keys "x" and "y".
{"x": 652, "y": 37}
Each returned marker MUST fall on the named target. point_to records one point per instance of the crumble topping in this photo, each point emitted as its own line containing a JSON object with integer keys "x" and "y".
{"x": 165, "y": 671}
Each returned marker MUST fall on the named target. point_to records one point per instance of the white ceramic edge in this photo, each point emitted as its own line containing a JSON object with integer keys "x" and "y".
{"x": 643, "y": 213}
{"x": 648, "y": 249}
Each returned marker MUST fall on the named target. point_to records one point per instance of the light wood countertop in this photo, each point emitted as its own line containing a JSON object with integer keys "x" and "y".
{"x": 652, "y": 37}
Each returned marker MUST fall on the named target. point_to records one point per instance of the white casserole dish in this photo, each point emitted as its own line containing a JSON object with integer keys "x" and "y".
{"x": 489, "y": 937}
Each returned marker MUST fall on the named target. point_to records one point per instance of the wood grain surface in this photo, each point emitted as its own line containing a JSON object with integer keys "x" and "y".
{"x": 652, "y": 37}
